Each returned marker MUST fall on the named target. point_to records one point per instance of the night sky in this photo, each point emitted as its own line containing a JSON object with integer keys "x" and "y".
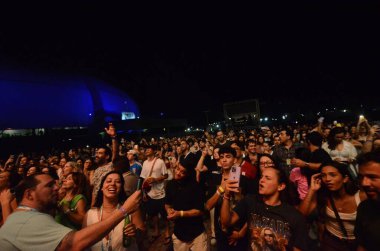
{"x": 182, "y": 60}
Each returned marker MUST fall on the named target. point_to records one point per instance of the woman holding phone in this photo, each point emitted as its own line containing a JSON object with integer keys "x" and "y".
{"x": 336, "y": 199}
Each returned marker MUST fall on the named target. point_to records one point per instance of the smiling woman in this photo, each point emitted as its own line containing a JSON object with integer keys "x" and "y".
{"x": 109, "y": 198}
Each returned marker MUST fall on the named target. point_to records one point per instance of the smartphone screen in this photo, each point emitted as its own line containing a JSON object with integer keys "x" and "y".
{"x": 235, "y": 173}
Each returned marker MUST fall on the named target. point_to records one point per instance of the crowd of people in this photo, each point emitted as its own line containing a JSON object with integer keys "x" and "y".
{"x": 281, "y": 188}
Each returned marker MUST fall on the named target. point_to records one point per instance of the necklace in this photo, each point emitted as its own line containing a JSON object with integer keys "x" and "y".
{"x": 108, "y": 245}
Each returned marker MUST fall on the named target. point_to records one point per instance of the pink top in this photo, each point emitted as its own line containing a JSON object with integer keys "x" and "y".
{"x": 301, "y": 182}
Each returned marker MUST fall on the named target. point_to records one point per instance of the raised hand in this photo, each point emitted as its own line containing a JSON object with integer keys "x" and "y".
{"x": 316, "y": 181}
{"x": 111, "y": 131}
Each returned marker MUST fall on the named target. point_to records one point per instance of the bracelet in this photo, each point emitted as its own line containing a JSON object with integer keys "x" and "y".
{"x": 226, "y": 197}
{"x": 67, "y": 211}
{"x": 220, "y": 189}
{"x": 113, "y": 137}
{"x": 181, "y": 212}
{"x": 220, "y": 194}
{"x": 123, "y": 211}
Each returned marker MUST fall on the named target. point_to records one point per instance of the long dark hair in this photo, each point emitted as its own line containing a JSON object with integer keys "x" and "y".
{"x": 332, "y": 143}
{"x": 324, "y": 194}
{"x": 122, "y": 195}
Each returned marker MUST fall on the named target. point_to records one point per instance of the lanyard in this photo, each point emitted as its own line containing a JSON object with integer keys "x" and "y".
{"x": 27, "y": 208}
{"x": 108, "y": 246}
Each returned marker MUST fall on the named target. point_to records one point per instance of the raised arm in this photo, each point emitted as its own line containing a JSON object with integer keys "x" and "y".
{"x": 8, "y": 203}
{"x": 111, "y": 131}
{"x": 310, "y": 201}
{"x": 89, "y": 235}
{"x": 228, "y": 217}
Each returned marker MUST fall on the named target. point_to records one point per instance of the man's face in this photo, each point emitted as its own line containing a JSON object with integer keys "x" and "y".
{"x": 149, "y": 152}
{"x": 45, "y": 193}
{"x": 369, "y": 177}
{"x": 277, "y": 141}
{"x": 101, "y": 156}
{"x": 180, "y": 172}
{"x": 130, "y": 156}
{"x": 184, "y": 146}
{"x": 23, "y": 161}
{"x": 252, "y": 147}
{"x": 220, "y": 136}
{"x": 227, "y": 160}
{"x": 283, "y": 137}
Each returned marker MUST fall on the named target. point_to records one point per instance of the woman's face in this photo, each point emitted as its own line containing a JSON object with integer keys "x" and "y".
{"x": 31, "y": 171}
{"x": 67, "y": 169}
{"x": 332, "y": 178}
{"x": 79, "y": 162}
{"x": 68, "y": 183}
{"x": 215, "y": 153}
{"x": 265, "y": 162}
{"x": 268, "y": 184}
{"x": 112, "y": 185}
{"x": 339, "y": 137}
{"x": 87, "y": 163}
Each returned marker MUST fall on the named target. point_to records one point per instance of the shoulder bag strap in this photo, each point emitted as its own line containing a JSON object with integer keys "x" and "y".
{"x": 338, "y": 217}
{"x": 151, "y": 170}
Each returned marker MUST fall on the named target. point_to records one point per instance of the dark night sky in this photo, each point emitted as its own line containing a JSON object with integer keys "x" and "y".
{"x": 195, "y": 58}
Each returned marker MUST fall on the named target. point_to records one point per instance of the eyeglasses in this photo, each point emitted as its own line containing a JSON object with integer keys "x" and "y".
{"x": 266, "y": 164}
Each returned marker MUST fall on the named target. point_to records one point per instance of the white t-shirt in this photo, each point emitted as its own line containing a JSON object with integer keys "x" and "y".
{"x": 348, "y": 152}
{"x": 158, "y": 188}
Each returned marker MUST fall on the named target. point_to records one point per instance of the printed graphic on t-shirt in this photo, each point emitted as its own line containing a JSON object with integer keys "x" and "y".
{"x": 267, "y": 234}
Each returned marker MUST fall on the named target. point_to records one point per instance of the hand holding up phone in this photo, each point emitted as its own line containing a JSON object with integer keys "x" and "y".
{"x": 232, "y": 186}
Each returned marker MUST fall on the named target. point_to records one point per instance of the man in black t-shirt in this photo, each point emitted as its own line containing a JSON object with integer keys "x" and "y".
{"x": 272, "y": 224}
{"x": 318, "y": 156}
{"x": 184, "y": 204}
{"x": 367, "y": 227}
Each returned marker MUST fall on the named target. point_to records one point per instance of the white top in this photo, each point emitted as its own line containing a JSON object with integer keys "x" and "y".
{"x": 158, "y": 188}
{"x": 348, "y": 220}
{"x": 348, "y": 152}
{"x": 116, "y": 234}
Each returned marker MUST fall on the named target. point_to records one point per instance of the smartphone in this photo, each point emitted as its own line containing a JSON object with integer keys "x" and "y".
{"x": 235, "y": 174}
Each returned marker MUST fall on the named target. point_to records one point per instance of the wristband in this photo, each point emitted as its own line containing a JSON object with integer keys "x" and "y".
{"x": 220, "y": 189}
{"x": 220, "y": 194}
{"x": 113, "y": 137}
{"x": 226, "y": 197}
{"x": 181, "y": 212}
{"x": 123, "y": 211}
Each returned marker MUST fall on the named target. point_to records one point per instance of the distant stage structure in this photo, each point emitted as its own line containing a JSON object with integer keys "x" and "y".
{"x": 242, "y": 114}
{"x": 30, "y": 101}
